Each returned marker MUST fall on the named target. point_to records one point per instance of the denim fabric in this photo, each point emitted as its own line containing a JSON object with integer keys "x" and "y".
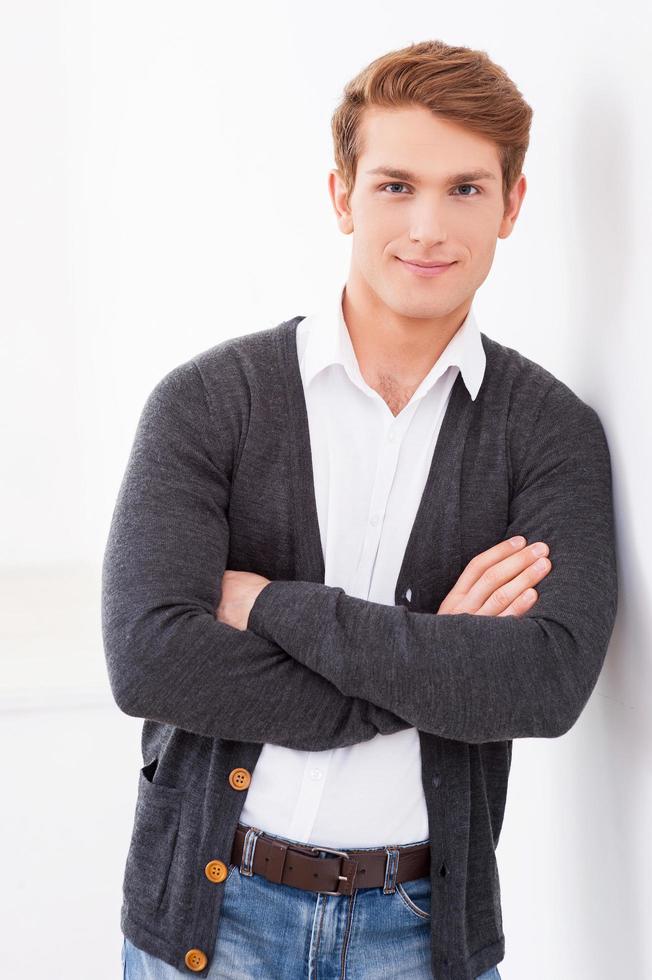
{"x": 269, "y": 930}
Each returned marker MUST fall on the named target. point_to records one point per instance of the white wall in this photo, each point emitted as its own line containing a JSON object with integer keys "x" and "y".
{"x": 163, "y": 186}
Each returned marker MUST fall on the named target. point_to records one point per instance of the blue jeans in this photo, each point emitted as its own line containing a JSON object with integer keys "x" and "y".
{"x": 269, "y": 930}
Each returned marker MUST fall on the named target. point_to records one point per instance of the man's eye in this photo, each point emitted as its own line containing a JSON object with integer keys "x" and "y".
{"x": 477, "y": 189}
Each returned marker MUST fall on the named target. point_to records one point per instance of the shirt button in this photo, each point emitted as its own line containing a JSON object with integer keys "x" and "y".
{"x": 316, "y": 774}
{"x": 216, "y": 871}
{"x": 391, "y": 436}
{"x": 436, "y": 779}
{"x": 196, "y": 959}
{"x": 240, "y": 778}
{"x": 374, "y": 520}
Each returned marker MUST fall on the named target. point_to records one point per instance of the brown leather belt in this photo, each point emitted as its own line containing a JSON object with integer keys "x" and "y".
{"x": 301, "y": 866}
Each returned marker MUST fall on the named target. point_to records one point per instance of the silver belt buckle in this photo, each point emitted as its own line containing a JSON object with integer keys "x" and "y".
{"x": 332, "y": 850}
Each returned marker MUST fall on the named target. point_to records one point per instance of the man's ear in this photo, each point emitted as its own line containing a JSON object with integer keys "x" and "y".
{"x": 514, "y": 202}
{"x": 337, "y": 190}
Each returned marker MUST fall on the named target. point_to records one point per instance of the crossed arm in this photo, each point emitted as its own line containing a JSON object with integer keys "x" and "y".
{"x": 316, "y": 668}
{"x": 168, "y": 658}
{"x": 482, "y": 678}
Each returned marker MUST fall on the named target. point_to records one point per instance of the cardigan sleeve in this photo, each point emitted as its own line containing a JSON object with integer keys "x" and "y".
{"x": 168, "y": 658}
{"x": 482, "y": 678}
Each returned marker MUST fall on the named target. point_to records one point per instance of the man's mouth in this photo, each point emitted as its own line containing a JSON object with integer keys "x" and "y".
{"x": 426, "y": 269}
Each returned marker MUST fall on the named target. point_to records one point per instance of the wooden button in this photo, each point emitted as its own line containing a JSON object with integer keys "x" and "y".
{"x": 216, "y": 870}
{"x": 196, "y": 959}
{"x": 240, "y": 778}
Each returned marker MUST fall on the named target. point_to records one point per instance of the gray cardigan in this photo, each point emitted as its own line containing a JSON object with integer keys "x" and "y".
{"x": 220, "y": 476}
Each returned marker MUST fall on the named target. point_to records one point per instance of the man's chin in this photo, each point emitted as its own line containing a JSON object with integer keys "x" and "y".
{"x": 418, "y": 307}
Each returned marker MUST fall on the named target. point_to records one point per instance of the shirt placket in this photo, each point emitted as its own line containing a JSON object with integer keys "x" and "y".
{"x": 388, "y": 456}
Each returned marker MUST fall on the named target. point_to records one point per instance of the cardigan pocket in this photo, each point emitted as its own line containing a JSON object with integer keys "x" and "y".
{"x": 153, "y": 840}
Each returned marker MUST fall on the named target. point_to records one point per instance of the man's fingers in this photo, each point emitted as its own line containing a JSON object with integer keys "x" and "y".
{"x": 501, "y": 597}
{"x": 521, "y": 604}
{"x": 485, "y": 560}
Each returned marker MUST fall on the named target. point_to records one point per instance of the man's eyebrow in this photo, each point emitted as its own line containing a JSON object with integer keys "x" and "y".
{"x": 461, "y": 178}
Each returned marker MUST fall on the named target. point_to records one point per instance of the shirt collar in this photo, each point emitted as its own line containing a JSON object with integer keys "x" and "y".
{"x": 329, "y": 342}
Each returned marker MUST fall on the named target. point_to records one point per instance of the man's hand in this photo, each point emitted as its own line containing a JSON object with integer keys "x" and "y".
{"x": 498, "y": 582}
{"x": 239, "y": 592}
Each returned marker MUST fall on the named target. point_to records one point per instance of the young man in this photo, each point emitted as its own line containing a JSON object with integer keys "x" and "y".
{"x": 352, "y": 558}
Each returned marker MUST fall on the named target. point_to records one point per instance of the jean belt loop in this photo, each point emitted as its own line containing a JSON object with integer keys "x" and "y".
{"x": 391, "y": 867}
{"x": 248, "y": 851}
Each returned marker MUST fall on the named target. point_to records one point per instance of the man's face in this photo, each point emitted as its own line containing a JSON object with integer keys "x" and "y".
{"x": 430, "y": 217}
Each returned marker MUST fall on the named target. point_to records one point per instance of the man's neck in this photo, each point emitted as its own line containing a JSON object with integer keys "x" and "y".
{"x": 395, "y": 353}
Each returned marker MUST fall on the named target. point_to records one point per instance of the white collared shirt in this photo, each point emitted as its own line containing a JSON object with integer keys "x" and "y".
{"x": 370, "y": 469}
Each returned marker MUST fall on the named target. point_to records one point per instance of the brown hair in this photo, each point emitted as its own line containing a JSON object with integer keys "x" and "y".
{"x": 456, "y": 83}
